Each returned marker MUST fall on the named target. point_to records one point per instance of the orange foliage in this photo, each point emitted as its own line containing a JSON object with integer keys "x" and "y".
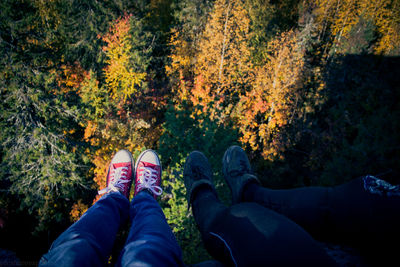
{"x": 271, "y": 104}
{"x": 70, "y": 78}
{"x": 223, "y": 69}
{"x": 90, "y": 130}
{"x": 181, "y": 57}
{"x": 117, "y": 33}
{"x": 78, "y": 209}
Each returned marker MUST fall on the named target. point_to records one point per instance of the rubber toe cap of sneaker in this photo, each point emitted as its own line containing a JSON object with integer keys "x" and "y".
{"x": 122, "y": 156}
{"x": 151, "y": 157}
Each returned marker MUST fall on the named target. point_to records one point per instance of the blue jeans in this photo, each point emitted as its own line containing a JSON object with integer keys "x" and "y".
{"x": 89, "y": 241}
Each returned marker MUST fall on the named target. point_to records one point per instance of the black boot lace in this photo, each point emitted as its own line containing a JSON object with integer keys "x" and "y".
{"x": 198, "y": 173}
{"x": 241, "y": 169}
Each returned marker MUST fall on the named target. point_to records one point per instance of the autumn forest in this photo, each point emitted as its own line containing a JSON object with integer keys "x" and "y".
{"x": 310, "y": 89}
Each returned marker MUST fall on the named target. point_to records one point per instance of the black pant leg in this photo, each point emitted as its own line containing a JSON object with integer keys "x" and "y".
{"x": 248, "y": 234}
{"x": 309, "y": 207}
{"x": 363, "y": 212}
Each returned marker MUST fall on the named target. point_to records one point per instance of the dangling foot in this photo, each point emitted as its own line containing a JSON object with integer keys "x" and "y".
{"x": 237, "y": 172}
{"x": 148, "y": 173}
{"x": 120, "y": 174}
{"x": 197, "y": 174}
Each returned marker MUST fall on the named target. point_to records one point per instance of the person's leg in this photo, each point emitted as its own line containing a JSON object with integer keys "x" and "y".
{"x": 150, "y": 241}
{"x": 308, "y": 206}
{"x": 207, "y": 210}
{"x": 366, "y": 213}
{"x": 89, "y": 241}
{"x": 361, "y": 213}
{"x": 365, "y": 205}
{"x": 351, "y": 212}
{"x": 246, "y": 234}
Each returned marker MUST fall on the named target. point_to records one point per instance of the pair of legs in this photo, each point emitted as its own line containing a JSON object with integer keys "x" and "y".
{"x": 275, "y": 227}
{"x": 363, "y": 213}
{"x": 150, "y": 242}
{"x": 358, "y": 212}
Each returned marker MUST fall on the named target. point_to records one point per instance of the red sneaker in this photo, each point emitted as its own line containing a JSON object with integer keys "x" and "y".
{"x": 148, "y": 173}
{"x": 119, "y": 176}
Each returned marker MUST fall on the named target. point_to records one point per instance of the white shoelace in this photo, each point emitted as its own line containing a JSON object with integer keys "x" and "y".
{"x": 147, "y": 179}
{"x": 118, "y": 178}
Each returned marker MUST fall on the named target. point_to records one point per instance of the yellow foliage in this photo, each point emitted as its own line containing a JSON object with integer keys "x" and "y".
{"x": 341, "y": 16}
{"x": 121, "y": 78}
{"x": 78, "y": 209}
{"x": 180, "y": 56}
{"x": 272, "y": 101}
{"x": 223, "y": 68}
{"x": 89, "y": 130}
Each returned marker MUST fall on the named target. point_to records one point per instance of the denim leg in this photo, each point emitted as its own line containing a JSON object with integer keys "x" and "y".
{"x": 89, "y": 241}
{"x": 150, "y": 241}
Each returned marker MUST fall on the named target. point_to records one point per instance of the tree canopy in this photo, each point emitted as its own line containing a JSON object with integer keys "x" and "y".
{"x": 309, "y": 88}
